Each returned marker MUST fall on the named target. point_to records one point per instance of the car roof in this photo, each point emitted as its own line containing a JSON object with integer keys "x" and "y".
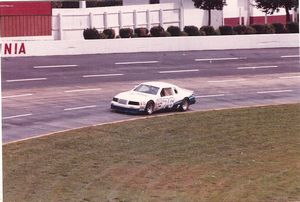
{"x": 159, "y": 84}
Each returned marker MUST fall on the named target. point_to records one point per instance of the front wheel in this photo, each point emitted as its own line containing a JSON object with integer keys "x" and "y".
{"x": 185, "y": 105}
{"x": 149, "y": 108}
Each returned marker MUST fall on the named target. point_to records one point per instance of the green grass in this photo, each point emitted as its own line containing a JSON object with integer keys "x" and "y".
{"x": 250, "y": 154}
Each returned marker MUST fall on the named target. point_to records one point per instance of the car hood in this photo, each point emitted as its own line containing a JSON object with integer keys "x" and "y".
{"x": 134, "y": 96}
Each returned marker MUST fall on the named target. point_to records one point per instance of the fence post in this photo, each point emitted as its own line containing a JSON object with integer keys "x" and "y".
{"x": 91, "y": 20}
{"x": 181, "y": 18}
{"x": 60, "y": 29}
{"x": 161, "y": 21}
{"x": 148, "y": 19}
{"x": 120, "y": 20}
{"x": 105, "y": 20}
{"x": 134, "y": 19}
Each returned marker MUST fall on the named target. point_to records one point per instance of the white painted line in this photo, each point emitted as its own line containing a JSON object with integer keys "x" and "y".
{"x": 224, "y": 81}
{"x": 258, "y": 67}
{"x": 53, "y": 66}
{"x": 137, "y": 62}
{"x": 290, "y": 77}
{"x": 179, "y": 71}
{"x": 16, "y": 116}
{"x": 217, "y": 59}
{"x": 16, "y": 96}
{"x": 290, "y": 56}
{"x": 83, "y": 107}
{"x": 208, "y": 96}
{"x": 32, "y": 79}
{"x": 82, "y": 90}
{"x": 101, "y": 75}
{"x": 274, "y": 91}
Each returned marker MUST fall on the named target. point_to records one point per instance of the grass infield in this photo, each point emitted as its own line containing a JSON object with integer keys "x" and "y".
{"x": 250, "y": 154}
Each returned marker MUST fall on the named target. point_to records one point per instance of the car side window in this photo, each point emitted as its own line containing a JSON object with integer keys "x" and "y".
{"x": 175, "y": 90}
{"x": 166, "y": 92}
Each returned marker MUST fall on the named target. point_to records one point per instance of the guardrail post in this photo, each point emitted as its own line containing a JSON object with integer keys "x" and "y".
{"x": 134, "y": 19}
{"x": 91, "y": 20}
{"x": 161, "y": 21}
{"x": 120, "y": 19}
{"x": 60, "y": 29}
{"x": 148, "y": 19}
{"x": 105, "y": 20}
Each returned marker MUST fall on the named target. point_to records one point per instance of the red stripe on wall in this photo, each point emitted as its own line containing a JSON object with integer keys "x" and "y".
{"x": 270, "y": 19}
{"x": 25, "y": 8}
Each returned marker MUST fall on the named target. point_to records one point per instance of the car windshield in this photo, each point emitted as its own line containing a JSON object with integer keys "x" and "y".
{"x": 146, "y": 89}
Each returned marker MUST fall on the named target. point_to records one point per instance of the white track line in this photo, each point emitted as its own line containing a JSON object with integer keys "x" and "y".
{"x": 290, "y": 77}
{"x": 82, "y": 90}
{"x": 137, "y": 62}
{"x": 83, "y": 107}
{"x": 274, "y": 91}
{"x": 101, "y": 75}
{"x": 208, "y": 96}
{"x": 224, "y": 81}
{"x": 179, "y": 71}
{"x": 290, "y": 56}
{"x": 21, "y": 80}
{"x": 53, "y": 66}
{"x": 258, "y": 67}
{"x": 16, "y": 116}
{"x": 217, "y": 59}
{"x": 16, "y": 96}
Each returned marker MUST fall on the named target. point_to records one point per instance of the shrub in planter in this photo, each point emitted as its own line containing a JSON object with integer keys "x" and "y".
{"x": 91, "y": 33}
{"x": 165, "y": 34}
{"x": 141, "y": 32}
{"x": 264, "y": 29}
{"x": 240, "y": 29}
{"x": 191, "y": 30}
{"x": 102, "y": 36}
{"x": 279, "y": 28}
{"x": 250, "y": 30}
{"x": 209, "y": 30}
{"x": 110, "y": 33}
{"x": 174, "y": 30}
{"x": 260, "y": 29}
{"x": 292, "y": 27}
{"x": 183, "y": 33}
{"x": 226, "y": 30}
{"x": 126, "y": 32}
{"x": 156, "y": 31}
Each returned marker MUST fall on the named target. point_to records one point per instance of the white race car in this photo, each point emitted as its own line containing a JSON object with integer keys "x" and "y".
{"x": 153, "y": 96}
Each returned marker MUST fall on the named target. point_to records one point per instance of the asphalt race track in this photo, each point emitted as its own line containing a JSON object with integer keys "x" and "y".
{"x": 42, "y": 95}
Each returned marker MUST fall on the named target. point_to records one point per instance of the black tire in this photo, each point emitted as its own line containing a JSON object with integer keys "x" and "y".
{"x": 185, "y": 105}
{"x": 149, "y": 108}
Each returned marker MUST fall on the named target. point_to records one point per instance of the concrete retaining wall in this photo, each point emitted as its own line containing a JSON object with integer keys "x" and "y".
{"x": 48, "y": 48}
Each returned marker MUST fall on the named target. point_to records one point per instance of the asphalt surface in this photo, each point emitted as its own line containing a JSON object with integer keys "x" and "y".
{"x": 42, "y": 95}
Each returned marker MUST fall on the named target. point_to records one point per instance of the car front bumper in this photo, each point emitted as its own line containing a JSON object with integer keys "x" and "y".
{"x": 126, "y": 109}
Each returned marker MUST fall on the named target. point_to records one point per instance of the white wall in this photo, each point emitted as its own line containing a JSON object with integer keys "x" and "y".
{"x": 72, "y": 22}
{"x": 37, "y": 48}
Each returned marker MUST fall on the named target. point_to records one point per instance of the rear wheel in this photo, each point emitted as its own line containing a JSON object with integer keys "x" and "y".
{"x": 185, "y": 105}
{"x": 149, "y": 108}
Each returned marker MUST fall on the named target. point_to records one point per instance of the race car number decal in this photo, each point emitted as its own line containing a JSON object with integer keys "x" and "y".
{"x": 165, "y": 102}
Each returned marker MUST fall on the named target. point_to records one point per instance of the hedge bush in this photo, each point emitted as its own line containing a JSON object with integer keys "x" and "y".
{"x": 263, "y": 29}
{"x": 141, "y": 32}
{"x": 183, "y": 33}
{"x": 191, "y": 30}
{"x": 91, "y": 33}
{"x": 279, "y": 28}
{"x": 165, "y": 34}
{"x": 126, "y": 33}
{"x": 110, "y": 33}
{"x": 292, "y": 27}
{"x": 174, "y": 30}
{"x": 240, "y": 29}
{"x": 226, "y": 30}
{"x": 156, "y": 31}
{"x": 208, "y": 30}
